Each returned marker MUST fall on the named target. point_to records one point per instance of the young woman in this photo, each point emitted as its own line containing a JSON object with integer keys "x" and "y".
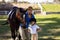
{"x": 28, "y": 16}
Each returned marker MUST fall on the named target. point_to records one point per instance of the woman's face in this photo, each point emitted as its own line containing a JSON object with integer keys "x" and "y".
{"x": 30, "y": 11}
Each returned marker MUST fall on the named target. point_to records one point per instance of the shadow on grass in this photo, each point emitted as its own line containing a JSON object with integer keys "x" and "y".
{"x": 4, "y": 28}
{"x": 46, "y": 39}
{"x": 49, "y": 29}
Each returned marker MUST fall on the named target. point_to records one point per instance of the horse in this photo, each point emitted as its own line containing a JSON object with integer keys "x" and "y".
{"x": 15, "y": 17}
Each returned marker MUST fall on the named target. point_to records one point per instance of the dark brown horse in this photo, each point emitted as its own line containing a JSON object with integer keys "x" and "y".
{"x": 15, "y": 17}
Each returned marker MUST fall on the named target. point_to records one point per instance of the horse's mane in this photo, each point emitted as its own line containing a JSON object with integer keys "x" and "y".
{"x": 12, "y": 13}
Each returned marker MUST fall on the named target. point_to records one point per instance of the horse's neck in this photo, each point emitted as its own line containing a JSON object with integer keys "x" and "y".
{"x": 10, "y": 15}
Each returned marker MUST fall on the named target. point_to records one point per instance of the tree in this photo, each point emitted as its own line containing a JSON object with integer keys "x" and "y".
{"x": 3, "y": 1}
{"x": 57, "y": 1}
{"x": 15, "y": 1}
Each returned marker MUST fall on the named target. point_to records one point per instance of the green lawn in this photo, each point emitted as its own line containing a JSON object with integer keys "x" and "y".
{"x": 3, "y": 16}
{"x": 51, "y": 7}
{"x": 50, "y": 25}
{"x": 3, "y": 28}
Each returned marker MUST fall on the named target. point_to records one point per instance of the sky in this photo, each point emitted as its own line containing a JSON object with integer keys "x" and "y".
{"x": 32, "y": 1}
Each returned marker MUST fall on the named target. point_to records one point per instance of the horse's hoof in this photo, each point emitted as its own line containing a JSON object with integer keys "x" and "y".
{"x": 16, "y": 38}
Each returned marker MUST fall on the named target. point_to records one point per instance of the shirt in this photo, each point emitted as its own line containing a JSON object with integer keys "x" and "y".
{"x": 33, "y": 29}
{"x": 27, "y": 19}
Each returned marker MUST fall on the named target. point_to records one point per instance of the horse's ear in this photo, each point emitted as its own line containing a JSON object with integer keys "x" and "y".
{"x": 22, "y": 10}
{"x": 14, "y": 7}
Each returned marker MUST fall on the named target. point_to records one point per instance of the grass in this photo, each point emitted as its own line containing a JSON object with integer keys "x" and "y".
{"x": 4, "y": 28}
{"x": 3, "y": 16}
{"x": 50, "y": 25}
{"x": 51, "y": 7}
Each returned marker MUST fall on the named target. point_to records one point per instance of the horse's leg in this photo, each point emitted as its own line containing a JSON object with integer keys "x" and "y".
{"x": 17, "y": 33}
{"x": 13, "y": 33}
{"x": 19, "y": 37}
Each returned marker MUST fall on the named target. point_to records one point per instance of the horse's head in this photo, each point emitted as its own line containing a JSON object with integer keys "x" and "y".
{"x": 16, "y": 16}
{"x": 22, "y": 11}
{"x": 19, "y": 14}
{"x": 16, "y": 13}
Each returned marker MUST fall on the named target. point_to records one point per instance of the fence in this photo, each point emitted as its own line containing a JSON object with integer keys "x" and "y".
{"x": 4, "y": 12}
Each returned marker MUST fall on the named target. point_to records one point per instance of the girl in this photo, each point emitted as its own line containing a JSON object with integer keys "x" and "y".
{"x": 34, "y": 29}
